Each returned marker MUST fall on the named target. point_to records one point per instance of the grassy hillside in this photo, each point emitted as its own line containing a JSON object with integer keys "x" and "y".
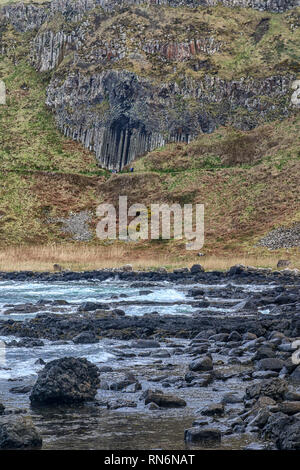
{"x": 248, "y": 181}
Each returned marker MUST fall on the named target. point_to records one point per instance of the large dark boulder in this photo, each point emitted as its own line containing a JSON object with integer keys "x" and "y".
{"x": 66, "y": 381}
{"x": 19, "y": 433}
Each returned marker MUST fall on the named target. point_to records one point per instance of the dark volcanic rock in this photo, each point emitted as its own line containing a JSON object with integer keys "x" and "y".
{"x": 273, "y": 388}
{"x": 215, "y": 409}
{"x": 18, "y": 433}
{"x": 65, "y": 381}
{"x": 270, "y": 364}
{"x": 202, "y": 435}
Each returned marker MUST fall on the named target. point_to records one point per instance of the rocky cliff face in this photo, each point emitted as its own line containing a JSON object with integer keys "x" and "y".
{"x": 127, "y": 79}
{"x": 121, "y": 116}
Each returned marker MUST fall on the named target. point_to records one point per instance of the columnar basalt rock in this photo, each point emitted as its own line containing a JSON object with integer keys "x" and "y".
{"x": 106, "y": 94}
{"x": 121, "y": 116}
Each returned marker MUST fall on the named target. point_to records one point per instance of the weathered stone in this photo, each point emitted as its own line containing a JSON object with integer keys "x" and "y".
{"x": 270, "y": 364}
{"x": 202, "y": 364}
{"x": 86, "y": 337}
{"x": 18, "y": 433}
{"x": 163, "y": 400}
{"x": 202, "y": 435}
{"x": 64, "y": 381}
{"x": 273, "y": 388}
{"x": 215, "y": 409}
{"x": 290, "y": 407}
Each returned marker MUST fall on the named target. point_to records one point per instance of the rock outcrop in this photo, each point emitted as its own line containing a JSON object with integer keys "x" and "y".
{"x": 109, "y": 89}
{"x": 121, "y": 116}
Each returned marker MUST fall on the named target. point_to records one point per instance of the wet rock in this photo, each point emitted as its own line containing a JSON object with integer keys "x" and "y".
{"x": 18, "y": 433}
{"x": 289, "y": 438}
{"x": 196, "y": 292}
{"x": 115, "y": 405}
{"x": 295, "y": 376}
{"x": 2, "y": 408}
{"x": 40, "y": 362}
{"x": 26, "y": 343}
{"x": 145, "y": 343}
{"x": 290, "y": 407}
{"x": 181, "y": 270}
{"x": 234, "y": 336}
{"x": 231, "y": 398}
{"x": 201, "y": 421}
{"x": 264, "y": 374}
{"x": 105, "y": 369}
{"x": 153, "y": 406}
{"x": 128, "y": 380}
{"x": 273, "y": 364}
{"x": 160, "y": 354}
{"x": 202, "y": 364}
{"x": 264, "y": 352}
{"x": 202, "y": 435}
{"x": 197, "y": 268}
{"x": 203, "y": 304}
{"x": 86, "y": 337}
{"x": 215, "y": 409}
{"x": 260, "y": 419}
{"x": 249, "y": 336}
{"x": 163, "y": 400}
{"x": 292, "y": 396}
{"x": 273, "y": 388}
{"x": 21, "y": 389}
{"x": 90, "y": 306}
{"x": 64, "y": 381}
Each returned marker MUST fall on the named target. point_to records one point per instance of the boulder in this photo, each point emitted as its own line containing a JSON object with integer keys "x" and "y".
{"x": 283, "y": 263}
{"x": 163, "y": 400}
{"x": 66, "y": 381}
{"x": 273, "y": 388}
{"x": 290, "y": 407}
{"x": 215, "y": 409}
{"x": 295, "y": 376}
{"x": 19, "y": 433}
{"x": 289, "y": 438}
{"x": 90, "y": 306}
{"x": 201, "y": 365}
{"x": 202, "y": 435}
{"x": 197, "y": 268}
{"x": 86, "y": 337}
{"x": 234, "y": 336}
{"x": 270, "y": 364}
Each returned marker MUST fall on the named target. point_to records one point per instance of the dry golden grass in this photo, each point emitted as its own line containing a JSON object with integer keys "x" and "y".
{"x": 86, "y": 257}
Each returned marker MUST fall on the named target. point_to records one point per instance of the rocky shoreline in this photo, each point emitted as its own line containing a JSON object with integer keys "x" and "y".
{"x": 222, "y": 376}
